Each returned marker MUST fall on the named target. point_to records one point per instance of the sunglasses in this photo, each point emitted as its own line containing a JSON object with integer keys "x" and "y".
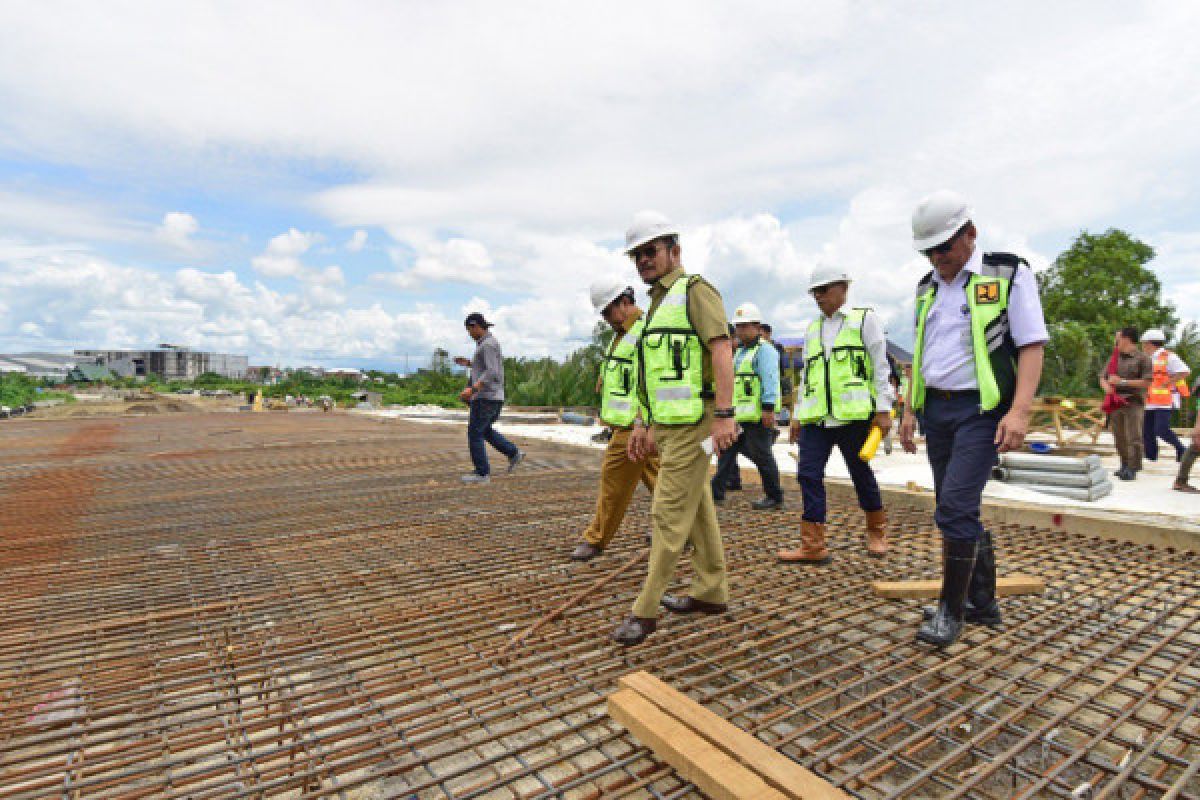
{"x": 648, "y": 250}
{"x": 944, "y": 247}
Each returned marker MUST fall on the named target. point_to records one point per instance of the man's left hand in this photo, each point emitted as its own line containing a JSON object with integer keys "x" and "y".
{"x": 1010, "y": 433}
{"x": 883, "y": 421}
{"x": 466, "y": 394}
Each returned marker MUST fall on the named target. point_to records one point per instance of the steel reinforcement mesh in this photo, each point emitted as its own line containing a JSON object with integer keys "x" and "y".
{"x": 304, "y": 605}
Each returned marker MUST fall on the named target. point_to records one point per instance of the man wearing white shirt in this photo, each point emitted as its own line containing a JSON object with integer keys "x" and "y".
{"x": 980, "y": 341}
{"x": 843, "y": 390}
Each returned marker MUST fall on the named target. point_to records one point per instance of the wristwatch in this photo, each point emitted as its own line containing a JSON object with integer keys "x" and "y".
{"x": 723, "y": 413}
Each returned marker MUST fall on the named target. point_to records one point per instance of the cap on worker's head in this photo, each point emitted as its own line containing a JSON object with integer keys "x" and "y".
{"x": 606, "y": 290}
{"x": 1155, "y": 336}
{"x": 938, "y": 217}
{"x": 646, "y": 227}
{"x": 746, "y": 312}
{"x": 475, "y": 318}
{"x": 824, "y": 275}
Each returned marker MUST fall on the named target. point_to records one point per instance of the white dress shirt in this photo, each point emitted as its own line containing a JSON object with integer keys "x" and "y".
{"x": 948, "y": 360}
{"x": 875, "y": 343}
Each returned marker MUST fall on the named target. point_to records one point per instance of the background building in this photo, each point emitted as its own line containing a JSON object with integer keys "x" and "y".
{"x": 167, "y": 362}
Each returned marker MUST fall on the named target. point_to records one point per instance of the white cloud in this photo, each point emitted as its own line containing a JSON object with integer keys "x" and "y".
{"x": 357, "y": 242}
{"x": 177, "y": 229}
{"x": 453, "y": 261}
{"x": 282, "y": 256}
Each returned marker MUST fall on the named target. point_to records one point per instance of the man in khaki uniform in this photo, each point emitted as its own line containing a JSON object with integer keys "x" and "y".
{"x": 619, "y": 405}
{"x": 687, "y": 388}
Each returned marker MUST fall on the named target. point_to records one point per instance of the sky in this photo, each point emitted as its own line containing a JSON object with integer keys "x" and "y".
{"x": 339, "y": 184}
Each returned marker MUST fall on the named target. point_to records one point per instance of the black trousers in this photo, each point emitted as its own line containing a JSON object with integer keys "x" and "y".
{"x": 755, "y": 444}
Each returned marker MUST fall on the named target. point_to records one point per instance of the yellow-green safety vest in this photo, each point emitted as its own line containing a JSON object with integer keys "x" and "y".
{"x": 992, "y": 344}
{"x": 843, "y": 385}
{"x": 619, "y": 401}
{"x": 747, "y": 385}
{"x": 672, "y": 360}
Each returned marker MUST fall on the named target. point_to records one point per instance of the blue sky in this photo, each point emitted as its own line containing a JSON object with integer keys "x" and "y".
{"x": 309, "y": 184}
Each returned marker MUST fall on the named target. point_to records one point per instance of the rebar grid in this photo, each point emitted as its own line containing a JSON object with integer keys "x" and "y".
{"x": 308, "y": 605}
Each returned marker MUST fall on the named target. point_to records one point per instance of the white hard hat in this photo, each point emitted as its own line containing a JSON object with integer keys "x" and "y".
{"x": 1154, "y": 335}
{"x": 646, "y": 227}
{"x": 938, "y": 217}
{"x": 824, "y": 275}
{"x": 606, "y": 290}
{"x": 747, "y": 312}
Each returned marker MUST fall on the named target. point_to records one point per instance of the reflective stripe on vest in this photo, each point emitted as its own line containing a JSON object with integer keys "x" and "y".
{"x": 1159, "y": 393}
{"x": 672, "y": 360}
{"x": 992, "y": 348}
{"x": 620, "y": 375}
{"x": 843, "y": 385}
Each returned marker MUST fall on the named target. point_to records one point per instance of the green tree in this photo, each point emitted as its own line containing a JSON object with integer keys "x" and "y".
{"x": 1099, "y": 284}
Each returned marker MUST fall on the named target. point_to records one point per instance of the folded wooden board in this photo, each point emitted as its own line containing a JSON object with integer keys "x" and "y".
{"x": 1005, "y": 587}
{"x": 780, "y": 773}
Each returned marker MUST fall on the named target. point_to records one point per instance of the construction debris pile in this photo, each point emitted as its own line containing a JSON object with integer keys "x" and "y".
{"x": 202, "y": 606}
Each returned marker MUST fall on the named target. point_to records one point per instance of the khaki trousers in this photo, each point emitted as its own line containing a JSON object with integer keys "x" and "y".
{"x": 1127, "y": 434}
{"x": 618, "y": 481}
{"x": 683, "y": 511}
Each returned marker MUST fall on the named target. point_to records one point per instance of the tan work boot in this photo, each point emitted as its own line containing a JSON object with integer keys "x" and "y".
{"x": 812, "y": 548}
{"x": 877, "y": 543}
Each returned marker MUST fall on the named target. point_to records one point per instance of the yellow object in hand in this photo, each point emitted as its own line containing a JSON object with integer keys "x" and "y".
{"x": 871, "y": 444}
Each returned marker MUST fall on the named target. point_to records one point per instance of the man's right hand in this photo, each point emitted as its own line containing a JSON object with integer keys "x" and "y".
{"x": 462, "y": 361}
{"x": 908, "y": 427}
{"x": 794, "y": 432}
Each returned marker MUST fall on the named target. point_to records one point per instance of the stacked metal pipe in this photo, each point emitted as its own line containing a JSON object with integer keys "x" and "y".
{"x": 1076, "y": 478}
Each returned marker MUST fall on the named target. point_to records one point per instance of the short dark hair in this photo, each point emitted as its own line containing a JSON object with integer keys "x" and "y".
{"x": 1129, "y": 332}
{"x": 766, "y": 326}
{"x": 670, "y": 240}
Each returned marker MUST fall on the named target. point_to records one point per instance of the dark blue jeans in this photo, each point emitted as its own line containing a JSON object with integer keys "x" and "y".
{"x": 484, "y": 414}
{"x": 816, "y": 445}
{"x": 1158, "y": 426}
{"x": 960, "y": 442}
{"x": 755, "y": 444}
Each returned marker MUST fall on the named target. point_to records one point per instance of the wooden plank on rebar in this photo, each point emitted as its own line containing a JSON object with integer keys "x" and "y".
{"x": 914, "y": 590}
{"x": 695, "y": 758}
{"x": 785, "y": 775}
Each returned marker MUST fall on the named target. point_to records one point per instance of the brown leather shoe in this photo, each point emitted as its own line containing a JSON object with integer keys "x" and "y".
{"x": 877, "y": 543}
{"x": 1186, "y": 488}
{"x": 634, "y": 630}
{"x": 812, "y": 548}
{"x": 585, "y": 552}
{"x": 690, "y": 605}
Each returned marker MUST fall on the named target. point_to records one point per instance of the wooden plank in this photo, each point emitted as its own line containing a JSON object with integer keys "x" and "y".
{"x": 783, "y": 774}
{"x": 913, "y": 590}
{"x": 696, "y": 759}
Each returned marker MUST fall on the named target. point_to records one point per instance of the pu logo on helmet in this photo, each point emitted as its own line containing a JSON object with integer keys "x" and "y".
{"x": 987, "y": 292}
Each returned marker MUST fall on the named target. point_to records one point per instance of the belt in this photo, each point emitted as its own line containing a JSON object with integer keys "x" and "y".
{"x": 953, "y": 394}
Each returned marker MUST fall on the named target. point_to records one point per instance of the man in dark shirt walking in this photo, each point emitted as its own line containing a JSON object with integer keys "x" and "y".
{"x": 485, "y": 394}
{"x": 1129, "y": 382}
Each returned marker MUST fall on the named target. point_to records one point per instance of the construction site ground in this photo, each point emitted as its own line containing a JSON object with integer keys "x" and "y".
{"x": 308, "y": 605}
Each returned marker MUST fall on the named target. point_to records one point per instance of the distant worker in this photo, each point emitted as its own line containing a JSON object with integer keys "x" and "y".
{"x": 1189, "y": 456}
{"x": 977, "y": 360}
{"x": 485, "y": 396}
{"x": 783, "y": 411}
{"x": 685, "y": 353}
{"x": 619, "y": 406}
{"x": 1128, "y": 380}
{"x": 755, "y": 397}
{"x": 1167, "y": 386}
{"x": 842, "y": 391}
